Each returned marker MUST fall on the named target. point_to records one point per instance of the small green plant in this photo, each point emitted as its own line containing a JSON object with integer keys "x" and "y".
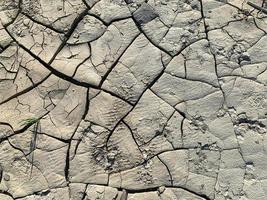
{"x": 29, "y": 121}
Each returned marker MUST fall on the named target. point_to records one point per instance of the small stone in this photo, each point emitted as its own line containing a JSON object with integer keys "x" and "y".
{"x": 6, "y": 177}
{"x": 161, "y": 189}
{"x": 26, "y": 22}
{"x": 129, "y": 1}
{"x": 144, "y": 14}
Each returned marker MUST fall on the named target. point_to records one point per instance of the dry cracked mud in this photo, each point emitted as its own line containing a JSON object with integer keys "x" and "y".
{"x": 133, "y": 100}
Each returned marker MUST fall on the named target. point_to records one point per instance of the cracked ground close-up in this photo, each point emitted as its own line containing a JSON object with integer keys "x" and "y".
{"x": 133, "y": 100}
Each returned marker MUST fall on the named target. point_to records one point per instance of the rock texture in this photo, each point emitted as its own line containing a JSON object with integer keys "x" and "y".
{"x": 133, "y": 100}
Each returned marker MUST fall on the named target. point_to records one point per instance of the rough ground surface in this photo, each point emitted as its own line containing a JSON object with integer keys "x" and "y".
{"x": 134, "y": 99}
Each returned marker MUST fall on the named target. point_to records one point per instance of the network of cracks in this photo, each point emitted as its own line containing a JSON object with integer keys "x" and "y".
{"x": 133, "y": 100}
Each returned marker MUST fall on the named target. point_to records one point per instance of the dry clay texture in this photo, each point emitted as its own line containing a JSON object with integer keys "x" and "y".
{"x": 133, "y": 100}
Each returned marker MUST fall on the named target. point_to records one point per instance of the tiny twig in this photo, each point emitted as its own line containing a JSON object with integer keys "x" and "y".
{"x": 257, "y": 7}
{"x": 33, "y": 145}
{"x": 1, "y": 173}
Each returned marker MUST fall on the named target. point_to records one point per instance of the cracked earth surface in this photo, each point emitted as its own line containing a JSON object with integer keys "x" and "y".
{"x": 134, "y": 99}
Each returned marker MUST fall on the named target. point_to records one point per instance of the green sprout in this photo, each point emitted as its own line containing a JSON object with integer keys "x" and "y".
{"x": 29, "y": 121}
